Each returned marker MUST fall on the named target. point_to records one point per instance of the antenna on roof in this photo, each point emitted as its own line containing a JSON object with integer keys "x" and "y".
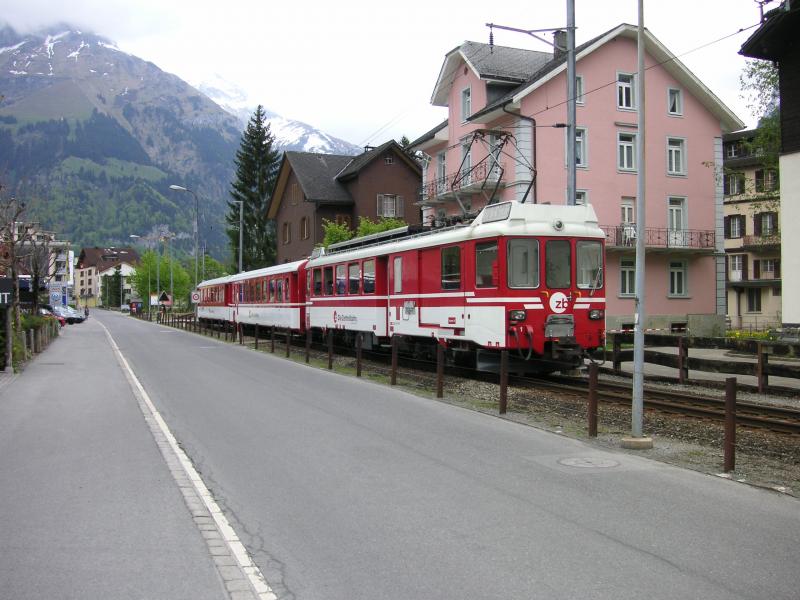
{"x": 491, "y": 39}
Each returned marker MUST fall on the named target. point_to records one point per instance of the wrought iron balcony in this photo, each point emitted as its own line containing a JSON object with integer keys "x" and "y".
{"x": 623, "y": 237}
{"x": 466, "y": 181}
{"x": 763, "y": 241}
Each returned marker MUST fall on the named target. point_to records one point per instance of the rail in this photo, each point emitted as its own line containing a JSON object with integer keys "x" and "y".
{"x": 624, "y": 236}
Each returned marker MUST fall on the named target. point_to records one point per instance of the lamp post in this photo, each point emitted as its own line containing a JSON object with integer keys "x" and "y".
{"x": 241, "y": 229}
{"x": 180, "y": 188}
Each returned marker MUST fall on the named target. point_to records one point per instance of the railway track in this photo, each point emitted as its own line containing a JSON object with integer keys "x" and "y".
{"x": 779, "y": 419}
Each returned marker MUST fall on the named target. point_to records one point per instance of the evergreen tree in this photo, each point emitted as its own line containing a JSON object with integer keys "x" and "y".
{"x": 256, "y": 162}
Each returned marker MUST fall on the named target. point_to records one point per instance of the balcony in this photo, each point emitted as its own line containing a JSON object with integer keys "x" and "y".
{"x": 623, "y": 238}
{"x": 468, "y": 181}
{"x": 740, "y": 279}
{"x": 770, "y": 241}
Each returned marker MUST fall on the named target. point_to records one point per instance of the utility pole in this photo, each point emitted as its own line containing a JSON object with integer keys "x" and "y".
{"x": 571, "y": 132}
{"x": 637, "y": 439}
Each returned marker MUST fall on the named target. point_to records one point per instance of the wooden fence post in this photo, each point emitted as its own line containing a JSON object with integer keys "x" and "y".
{"x": 359, "y": 344}
{"x": 330, "y": 349}
{"x": 683, "y": 359}
{"x": 503, "y": 381}
{"x": 393, "y": 378}
{"x": 272, "y": 339}
{"x": 729, "y": 445}
{"x": 288, "y": 341}
{"x": 308, "y": 345}
{"x": 592, "y": 399}
{"x": 255, "y": 335}
{"x": 615, "y": 353}
{"x": 762, "y": 368}
{"x": 439, "y": 371}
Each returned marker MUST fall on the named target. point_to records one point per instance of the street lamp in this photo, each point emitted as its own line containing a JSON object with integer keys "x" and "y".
{"x": 241, "y": 229}
{"x": 180, "y": 188}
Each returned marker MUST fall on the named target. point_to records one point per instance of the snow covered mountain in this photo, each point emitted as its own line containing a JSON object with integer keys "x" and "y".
{"x": 289, "y": 134}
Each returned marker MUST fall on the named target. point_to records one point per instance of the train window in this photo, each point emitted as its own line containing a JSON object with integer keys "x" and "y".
{"x": 369, "y": 276}
{"x": 558, "y": 264}
{"x": 327, "y": 281}
{"x": 318, "y": 282}
{"x": 398, "y": 274}
{"x": 272, "y": 290}
{"x": 589, "y": 264}
{"x": 523, "y": 263}
{"x": 486, "y": 264}
{"x": 279, "y": 291}
{"x": 308, "y": 283}
{"x": 286, "y": 289}
{"x": 341, "y": 279}
{"x": 451, "y": 268}
{"x": 354, "y": 274}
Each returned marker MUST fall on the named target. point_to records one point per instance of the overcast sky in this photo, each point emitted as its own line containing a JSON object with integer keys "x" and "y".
{"x": 364, "y": 70}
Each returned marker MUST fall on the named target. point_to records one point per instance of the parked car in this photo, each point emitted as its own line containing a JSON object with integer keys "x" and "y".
{"x": 69, "y": 314}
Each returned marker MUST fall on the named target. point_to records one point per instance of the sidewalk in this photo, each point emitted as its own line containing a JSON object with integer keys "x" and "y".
{"x": 90, "y": 509}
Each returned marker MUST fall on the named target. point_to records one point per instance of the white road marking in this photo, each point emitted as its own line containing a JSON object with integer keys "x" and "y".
{"x": 246, "y": 564}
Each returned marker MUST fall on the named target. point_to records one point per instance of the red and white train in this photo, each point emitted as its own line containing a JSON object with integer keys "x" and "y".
{"x": 522, "y": 277}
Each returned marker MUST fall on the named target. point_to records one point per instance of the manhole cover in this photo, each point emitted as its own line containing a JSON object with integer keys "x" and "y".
{"x": 589, "y": 463}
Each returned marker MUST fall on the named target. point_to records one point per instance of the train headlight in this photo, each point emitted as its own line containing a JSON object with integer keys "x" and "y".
{"x": 517, "y": 315}
{"x": 596, "y": 314}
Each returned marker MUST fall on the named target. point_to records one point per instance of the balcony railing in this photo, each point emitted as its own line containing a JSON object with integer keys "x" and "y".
{"x": 761, "y": 241}
{"x": 739, "y": 276}
{"x": 624, "y": 236}
{"x": 467, "y": 180}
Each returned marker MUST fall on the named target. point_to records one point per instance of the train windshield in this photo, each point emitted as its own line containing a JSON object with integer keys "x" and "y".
{"x": 558, "y": 264}
{"x": 523, "y": 263}
{"x": 486, "y": 264}
{"x": 589, "y": 264}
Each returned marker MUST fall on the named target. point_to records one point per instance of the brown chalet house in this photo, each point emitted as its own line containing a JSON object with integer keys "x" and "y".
{"x": 310, "y": 187}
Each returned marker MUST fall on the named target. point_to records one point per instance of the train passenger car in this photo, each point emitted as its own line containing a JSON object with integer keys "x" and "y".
{"x": 273, "y": 296}
{"x": 216, "y": 300}
{"x": 522, "y": 277}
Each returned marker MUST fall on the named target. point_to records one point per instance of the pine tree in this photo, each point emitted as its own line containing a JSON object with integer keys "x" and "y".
{"x": 255, "y": 162}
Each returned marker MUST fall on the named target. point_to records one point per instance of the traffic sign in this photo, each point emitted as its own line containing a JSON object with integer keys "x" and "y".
{"x": 195, "y": 296}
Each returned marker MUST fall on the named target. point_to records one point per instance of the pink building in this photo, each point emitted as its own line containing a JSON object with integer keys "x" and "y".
{"x": 504, "y": 140}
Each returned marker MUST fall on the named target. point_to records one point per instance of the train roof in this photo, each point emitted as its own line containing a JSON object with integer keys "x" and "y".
{"x": 503, "y": 219}
{"x": 289, "y": 267}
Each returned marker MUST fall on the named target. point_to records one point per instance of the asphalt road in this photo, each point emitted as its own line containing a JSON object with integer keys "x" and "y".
{"x": 346, "y": 490}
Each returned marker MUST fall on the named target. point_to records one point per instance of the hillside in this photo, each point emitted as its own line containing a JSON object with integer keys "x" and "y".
{"x": 92, "y": 137}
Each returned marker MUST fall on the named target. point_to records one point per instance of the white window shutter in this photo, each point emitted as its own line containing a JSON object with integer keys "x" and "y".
{"x": 399, "y": 207}
{"x": 380, "y": 205}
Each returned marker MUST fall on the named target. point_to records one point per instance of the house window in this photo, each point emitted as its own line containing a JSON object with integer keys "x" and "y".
{"x": 627, "y": 277}
{"x": 766, "y": 180}
{"x": 626, "y": 151}
{"x": 581, "y": 197}
{"x": 732, "y": 150}
{"x": 736, "y": 267}
{"x": 625, "y": 96}
{"x": 754, "y": 300}
{"x": 579, "y": 97}
{"x": 287, "y": 232}
{"x": 581, "y": 147}
{"x": 451, "y": 268}
{"x": 466, "y": 104}
{"x": 769, "y": 267}
{"x": 627, "y": 210}
{"x": 734, "y": 184}
{"x": 466, "y": 162}
{"x": 736, "y": 227}
{"x": 390, "y": 205}
{"x": 294, "y": 195}
{"x": 767, "y": 223}
{"x": 304, "y": 233}
{"x": 674, "y": 101}
{"x": 677, "y": 278}
{"x": 388, "y": 159}
{"x": 676, "y": 156}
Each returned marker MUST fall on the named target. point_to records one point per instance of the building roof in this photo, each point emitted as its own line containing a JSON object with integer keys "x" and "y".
{"x": 777, "y": 31}
{"x": 321, "y": 176}
{"x": 542, "y": 67}
{"x": 105, "y": 258}
{"x": 493, "y": 63}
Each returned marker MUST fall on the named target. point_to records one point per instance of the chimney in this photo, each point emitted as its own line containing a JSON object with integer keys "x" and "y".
{"x": 559, "y": 43}
{"x": 368, "y": 149}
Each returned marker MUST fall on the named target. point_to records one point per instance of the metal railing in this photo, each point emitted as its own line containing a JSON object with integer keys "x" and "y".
{"x": 773, "y": 239}
{"x": 464, "y": 180}
{"x": 624, "y": 236}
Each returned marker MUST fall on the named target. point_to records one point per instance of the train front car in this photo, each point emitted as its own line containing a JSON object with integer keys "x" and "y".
{"x": 539, "y": 286}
